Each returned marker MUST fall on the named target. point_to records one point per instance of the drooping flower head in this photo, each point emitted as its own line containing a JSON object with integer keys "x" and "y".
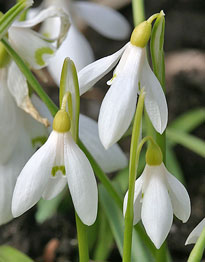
{"x": 118, "y": 106}
{"x": 58, "y": 162}
{"x": 158, "y": 195}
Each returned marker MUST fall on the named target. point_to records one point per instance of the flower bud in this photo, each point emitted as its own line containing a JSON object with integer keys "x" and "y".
{"x": 154, "y": 155}
{"x": 61, "y": 122}
{"x": 141, "y": 34}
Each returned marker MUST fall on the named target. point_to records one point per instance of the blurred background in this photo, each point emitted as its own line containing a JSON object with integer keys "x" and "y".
{"x": 55, "y": 238}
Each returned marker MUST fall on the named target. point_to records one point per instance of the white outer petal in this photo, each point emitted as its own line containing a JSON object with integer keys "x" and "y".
{"x": 9, "y": 173}
{"x": 155, "y": 100}
{"x": 103, "y": 19}
{"x": 81, "y": 182}
{"x": 26, "y": 42}
{"x": 118, "y": 106}
{"x": 109, "y": 160}
{"x": 17, "y": 84}
{"x": 179, "y": 197}
{"x": 194, "y": 235}
{"x": 76, "y": 47}
{"x": 92, "y": 73}
{"x": 157, "y": 213}
{"x": 137, "y": 200}
{"x": 34, "y": 176}
{"x": 10, "y": 120}
{"x": 54, "y": 187}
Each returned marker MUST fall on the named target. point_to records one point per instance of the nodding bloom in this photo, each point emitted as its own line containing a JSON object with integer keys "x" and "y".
{"x": 158, "y": 195}
{"x": 103, "y": 19}
{"x": 194, "y": 235}
{"x": 58, "y": 162}
{"x": 118, "y": 106}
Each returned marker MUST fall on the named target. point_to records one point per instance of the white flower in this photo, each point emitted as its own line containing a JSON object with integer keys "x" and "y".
{"x": 194, "y": 235}
{"x": 57, "y": 162}
{"x": 104, "y": 20}
{"x": 158, "y": 194}
{"x": 118, "y": 106}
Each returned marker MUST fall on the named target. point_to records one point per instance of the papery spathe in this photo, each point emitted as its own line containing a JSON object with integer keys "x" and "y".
{"x": 196, "y": 232}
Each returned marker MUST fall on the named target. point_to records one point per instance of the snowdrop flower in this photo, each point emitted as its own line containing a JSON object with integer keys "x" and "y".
{"x": 104, "y": 20}
{"x": 119, "y": 104}
{"x": 31, "y": 135}
{"x": 35, "y": 49}
{"x": 158, "y": 194}
{"x": 194, "y": 235}
{"x": 57, "y": 162}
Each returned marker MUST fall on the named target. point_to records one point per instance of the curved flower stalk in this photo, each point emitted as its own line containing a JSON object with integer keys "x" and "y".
{"x": 158, "y": 194}
{"x": 104, "y": 20}
{"x": 118, "y": 106}
{"x": 194, "y": 235}
{"x": 58, "y": 162}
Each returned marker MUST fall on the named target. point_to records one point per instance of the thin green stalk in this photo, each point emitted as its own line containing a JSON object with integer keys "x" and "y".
{"x": 82, "y": 240}
{"x": 30, "y": 78}
{"x": 138, "y": 11}
{"x": 198, "y": 250}
{"x": 7, "y": 19}
{"x": 134, "y": 158}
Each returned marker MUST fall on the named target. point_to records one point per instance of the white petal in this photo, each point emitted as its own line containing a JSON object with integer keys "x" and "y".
{"x": 90, "y": 74}
{"x": 33, "y": 178}
{"x": 137, "y": 200}
{"x": 17, "y": 84}
{"x": 51, "y": 12}
{"x": 179, "y": 198}
{"x": 81, "y": 182}
{"x": 8, "y": 176}
{"x": 103, "y": 19}
{"x": 157, "y": 213}
{"x": 54, "y": 187}
{"x": 77, "y": 48}
{"x": 10, "y": 120}
{"x": 194, "y": 235}
{"x": 109, "y": 160}
{"x": 118, "y": 106}
{"x": 155, "y": 100}
{"x": 30, "y": 46}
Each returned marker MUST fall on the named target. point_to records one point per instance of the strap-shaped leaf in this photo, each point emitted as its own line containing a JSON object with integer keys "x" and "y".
{"x": 10, "y": 254}
{"x": 156, "y": 47}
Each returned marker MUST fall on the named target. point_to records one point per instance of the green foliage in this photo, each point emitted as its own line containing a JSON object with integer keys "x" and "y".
{"x": 10, "y": 254}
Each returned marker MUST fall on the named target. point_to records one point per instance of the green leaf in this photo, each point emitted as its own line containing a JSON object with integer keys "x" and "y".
{"x": 156, "y": 47}
{"x": 10, "y": 254}
{"x": 104, "y": 239}
{"x": 191, "y": 142}
{"x": 173, "y": 165}
{"x": 47, "y": 208}
{"x": 116, "y": 222}
{"x": 188, "y": 121}
{"x": 11, "y": 15}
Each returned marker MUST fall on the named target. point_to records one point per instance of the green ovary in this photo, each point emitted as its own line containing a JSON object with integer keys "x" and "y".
{"x": 39, "y": 54}
{"x": 55, "y": 169}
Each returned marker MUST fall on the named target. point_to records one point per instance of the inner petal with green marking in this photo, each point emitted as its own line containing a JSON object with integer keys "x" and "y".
{"x": 58, "y": 170}
{"x": 40, "y": 52}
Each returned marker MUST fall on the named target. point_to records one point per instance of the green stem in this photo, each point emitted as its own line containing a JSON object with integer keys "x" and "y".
{"x": 7, "y": 19}
{"x": 82, "y": 240}
{"x": 197, "y": 252}
{"x": 134, "y": 158}
{"x": 138, "y": 11}
{"x": 30, "y": 78}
